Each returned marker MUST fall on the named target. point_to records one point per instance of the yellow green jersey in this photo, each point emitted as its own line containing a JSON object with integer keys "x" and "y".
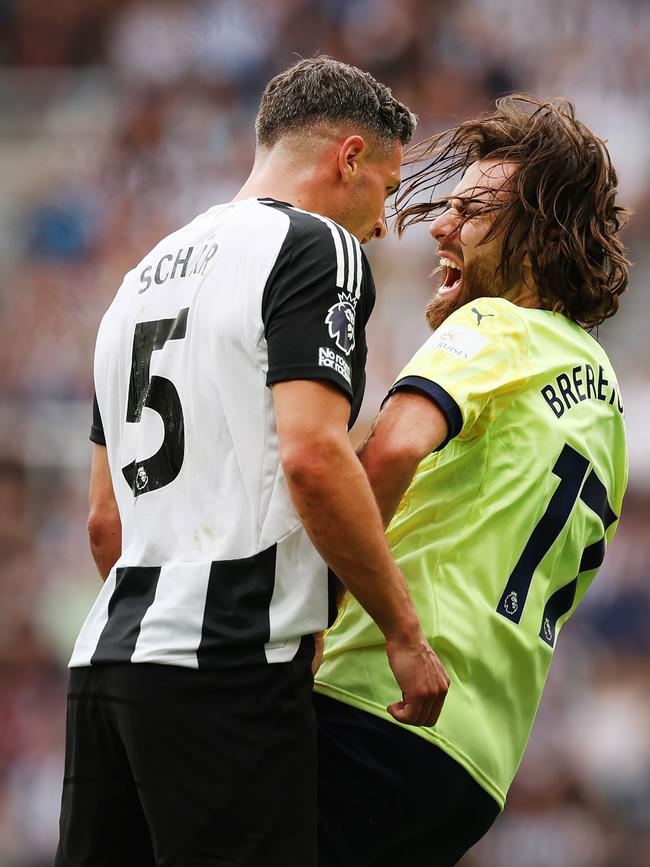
{"x": 501, "y": 530}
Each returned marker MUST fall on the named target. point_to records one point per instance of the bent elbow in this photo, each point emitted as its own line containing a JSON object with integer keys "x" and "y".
{"x": 305, "y": 464}
{"x": 101, "y": 528}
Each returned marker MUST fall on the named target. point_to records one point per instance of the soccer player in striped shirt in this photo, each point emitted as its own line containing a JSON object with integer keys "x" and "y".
{"x": 224, "y": 488}
{"x": 499, "y": 464}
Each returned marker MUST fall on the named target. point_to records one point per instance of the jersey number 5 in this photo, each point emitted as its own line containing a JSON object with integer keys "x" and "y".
{"x": 160, "y": 395}
{"x": 571, "y": 468}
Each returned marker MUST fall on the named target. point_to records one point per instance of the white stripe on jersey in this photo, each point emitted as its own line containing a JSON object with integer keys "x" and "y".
{"x": 349, "y": 288}
{"x": 359, "y": 268}
{"x": 180, "y": 586}
{"x": 340, "y": 260}
{"x": 296, "y": 560}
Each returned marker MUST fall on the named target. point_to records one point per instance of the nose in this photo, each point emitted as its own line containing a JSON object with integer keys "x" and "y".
{"x": 445, "y": 224}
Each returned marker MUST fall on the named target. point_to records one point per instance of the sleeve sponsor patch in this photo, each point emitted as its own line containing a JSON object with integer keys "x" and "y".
{"x": 457, "y": 340}
{"x": 328, "y": 358}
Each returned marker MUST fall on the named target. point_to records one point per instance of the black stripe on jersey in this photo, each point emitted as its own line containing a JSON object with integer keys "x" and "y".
{"x": 594, "y": 495}
{"x": 97, "y": 427}
{"x": 236, "y": 620}
{"x": 444, "y": 401}
{"x": 559, "y": 603}
{"x": 281, "y": 263}
{"x": 135, "y": 589}
{"x": 332, "y": 606}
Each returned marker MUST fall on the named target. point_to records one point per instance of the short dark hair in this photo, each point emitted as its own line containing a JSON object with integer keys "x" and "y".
{"x": 321, "y": 89}
{"x": 562, "y": 208}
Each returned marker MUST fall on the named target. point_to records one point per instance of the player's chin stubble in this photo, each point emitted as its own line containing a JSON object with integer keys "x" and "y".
{"x": 442, "y": 306}
{"x": 479, "y": 281}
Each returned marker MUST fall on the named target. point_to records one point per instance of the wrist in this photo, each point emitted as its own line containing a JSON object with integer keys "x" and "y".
{"x": 405, "y": 631}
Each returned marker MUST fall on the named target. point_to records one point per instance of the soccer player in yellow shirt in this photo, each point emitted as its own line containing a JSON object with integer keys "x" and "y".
{"x": 499, "y": 464}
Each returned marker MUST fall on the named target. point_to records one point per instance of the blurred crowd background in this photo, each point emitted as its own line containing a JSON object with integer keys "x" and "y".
{"x": 120, "y": 121}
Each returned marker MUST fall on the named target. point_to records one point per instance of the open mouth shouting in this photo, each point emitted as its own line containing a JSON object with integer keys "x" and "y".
{"x": 452, "y": 275}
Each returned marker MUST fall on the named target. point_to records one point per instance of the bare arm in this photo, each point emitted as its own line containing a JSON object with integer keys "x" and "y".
{"x": 409, "y": 427}
{"x": 335, "y": 503}
{"x": 104, "y": 525}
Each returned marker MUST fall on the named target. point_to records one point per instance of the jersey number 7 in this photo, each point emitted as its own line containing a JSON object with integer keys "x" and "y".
{"x": 571, "y": 468}
{"x": 160, "y": 395}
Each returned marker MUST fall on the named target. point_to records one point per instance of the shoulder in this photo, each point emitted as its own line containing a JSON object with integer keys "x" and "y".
{"x": 485, "y": 330}
{"x": 490, "y": 319}
{"x": 314, "y": 240}
{"x": 309, "y": 227}
{"x": 479, "y": 311}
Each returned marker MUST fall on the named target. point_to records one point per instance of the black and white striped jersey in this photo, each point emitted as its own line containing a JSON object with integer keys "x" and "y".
{"x": 216, "y": 568}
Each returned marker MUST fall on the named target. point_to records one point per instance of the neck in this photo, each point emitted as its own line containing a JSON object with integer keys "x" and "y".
{"x": 525, "y": 292}
{"x": 279, "y": 174}
{"x": 527, "y": 297}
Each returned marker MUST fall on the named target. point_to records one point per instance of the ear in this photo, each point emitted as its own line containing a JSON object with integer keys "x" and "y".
{"x": 351, "y": 153}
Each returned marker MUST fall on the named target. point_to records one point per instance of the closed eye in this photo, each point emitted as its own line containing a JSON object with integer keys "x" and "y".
{"x": 464, "y": 207}
{"x": 473, "y": 207}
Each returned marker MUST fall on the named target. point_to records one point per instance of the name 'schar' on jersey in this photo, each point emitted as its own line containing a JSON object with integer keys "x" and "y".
{"x": 180, "y": 264}
{"x": 579, "y": 384}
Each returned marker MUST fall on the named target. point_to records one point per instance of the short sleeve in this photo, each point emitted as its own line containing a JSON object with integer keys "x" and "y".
{"x": 470, "y": 365}
{"x": 97, "y": 427}
{"x": 316, "y": 304}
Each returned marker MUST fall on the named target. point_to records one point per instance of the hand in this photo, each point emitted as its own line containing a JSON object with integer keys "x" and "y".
{"x": 318, "y": 652}
{"x": 422, "y": 679}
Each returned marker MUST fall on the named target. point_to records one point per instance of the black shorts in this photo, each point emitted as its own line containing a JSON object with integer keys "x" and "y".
{"x": 171, "y": 766}
{"x": 388, "y": 798}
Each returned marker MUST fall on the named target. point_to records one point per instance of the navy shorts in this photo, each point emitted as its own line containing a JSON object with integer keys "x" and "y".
{"x": 175, "y": 767}
{"x": 388, "y": 798}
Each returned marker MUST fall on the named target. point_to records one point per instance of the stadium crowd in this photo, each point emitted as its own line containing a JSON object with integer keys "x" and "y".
{"x": 121, "y": 120}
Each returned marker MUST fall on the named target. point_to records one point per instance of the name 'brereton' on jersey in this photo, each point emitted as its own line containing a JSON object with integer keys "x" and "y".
{"x": 216, "y": 569}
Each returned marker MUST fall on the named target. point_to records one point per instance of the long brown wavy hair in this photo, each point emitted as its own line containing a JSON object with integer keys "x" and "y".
{"x": 561, "y": 211}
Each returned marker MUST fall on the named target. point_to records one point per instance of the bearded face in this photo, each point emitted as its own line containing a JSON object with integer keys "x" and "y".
{"x": 479, "y": 278}
{"x": 469, "y": 265}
